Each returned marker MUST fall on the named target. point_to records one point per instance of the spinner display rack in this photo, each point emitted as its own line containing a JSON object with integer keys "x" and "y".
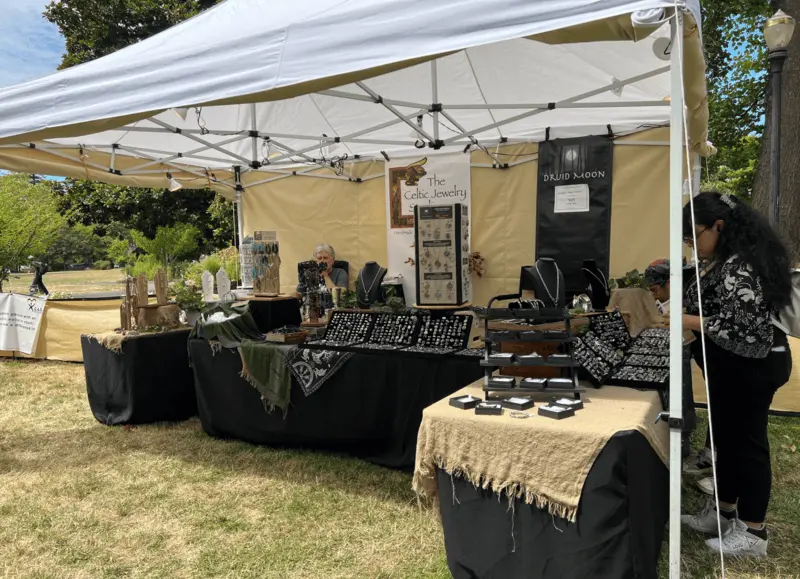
{"x": 568, "y": 366}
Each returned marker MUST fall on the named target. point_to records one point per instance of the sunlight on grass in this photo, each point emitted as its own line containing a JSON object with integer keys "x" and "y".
{"x": 73, "y": 282}
{"x": 81, "y": 500}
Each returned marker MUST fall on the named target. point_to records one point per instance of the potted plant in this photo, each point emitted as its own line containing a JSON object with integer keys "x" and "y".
{"x": 189, "y": 298}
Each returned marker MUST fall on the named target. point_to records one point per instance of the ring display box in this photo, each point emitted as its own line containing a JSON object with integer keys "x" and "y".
{"x": 536, "y": 384}
{"x": 442, "y": 242}
{"x": 517, "y": 403}
{"x": 465, "y": 402}
{"x": 556, "y": 412}
{"x": 611, "y": 328}
{"x": 501, "y": 382}
{"x": 567, "y": 403}
{"x": 489, "y": 408}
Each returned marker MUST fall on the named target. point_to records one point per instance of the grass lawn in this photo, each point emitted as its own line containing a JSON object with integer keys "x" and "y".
{"x": 73, "y": 282}
{"x": 81, "y": 500}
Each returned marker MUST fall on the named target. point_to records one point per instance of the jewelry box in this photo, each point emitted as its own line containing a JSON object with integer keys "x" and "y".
{"x": 517, "y": 403}
{"x": 556, "y": 412}
{"x": 465, "y": 402}
{"x": 489, "y": 409}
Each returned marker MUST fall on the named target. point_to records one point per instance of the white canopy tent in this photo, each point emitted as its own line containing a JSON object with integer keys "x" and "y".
{"x": 253, "y": 91}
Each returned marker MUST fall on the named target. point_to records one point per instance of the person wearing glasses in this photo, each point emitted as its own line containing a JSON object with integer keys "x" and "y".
{"x": 743, "y": 282}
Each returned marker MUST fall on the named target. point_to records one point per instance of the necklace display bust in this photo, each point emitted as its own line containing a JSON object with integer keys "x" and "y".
{"x": 368, "y": 284}
{"x": 548, "y": 283}
{"x": 598, "y": 282}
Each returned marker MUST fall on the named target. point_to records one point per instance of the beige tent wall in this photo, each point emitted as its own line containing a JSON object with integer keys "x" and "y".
{"x": 352, "y": 216}
{"x": 62, "y": 324}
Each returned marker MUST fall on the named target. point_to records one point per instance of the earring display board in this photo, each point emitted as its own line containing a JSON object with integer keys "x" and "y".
{"x": 442, "y": 246}
{"x": 266, "y": 264}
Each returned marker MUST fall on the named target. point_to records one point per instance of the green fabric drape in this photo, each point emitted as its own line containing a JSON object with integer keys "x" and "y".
{"x": 264, "y": 367}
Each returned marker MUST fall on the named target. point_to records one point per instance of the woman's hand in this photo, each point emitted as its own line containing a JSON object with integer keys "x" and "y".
{"x": 693, "y": 323}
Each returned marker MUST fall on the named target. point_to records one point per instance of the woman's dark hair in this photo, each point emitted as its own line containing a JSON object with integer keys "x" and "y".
{"x": 748, "y": 235}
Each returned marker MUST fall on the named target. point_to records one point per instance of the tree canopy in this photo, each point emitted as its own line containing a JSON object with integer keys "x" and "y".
{"x": 28, "y": 221}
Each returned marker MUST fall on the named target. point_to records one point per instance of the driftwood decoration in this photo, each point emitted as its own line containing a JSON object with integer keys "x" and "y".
{"x": 141, "y": 290}
{"x": 160, "y": 283}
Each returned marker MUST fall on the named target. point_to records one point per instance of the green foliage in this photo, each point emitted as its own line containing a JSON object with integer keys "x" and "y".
{"x": 736, "y": 58}
{"x": 632, "y": 279}
{"x": 70, "y": 245}
{"x": 146, "y": 264}
{"x": 187, "y": 295}
{"x": 225, "y": 258}
{"x": 28, "y": 221}
{"x": 169, "y": 243}
{"x": 114, "y": 210}
{"x": 102, "y": 264}
{"x": 120, "y": 251}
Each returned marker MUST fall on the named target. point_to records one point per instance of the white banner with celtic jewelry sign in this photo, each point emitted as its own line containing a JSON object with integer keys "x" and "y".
{"x": 419, "y": 180}
{"x": 20, "y": 317}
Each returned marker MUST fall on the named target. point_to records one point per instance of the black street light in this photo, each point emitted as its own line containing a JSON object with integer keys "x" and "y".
{"x": 777, "y": 32}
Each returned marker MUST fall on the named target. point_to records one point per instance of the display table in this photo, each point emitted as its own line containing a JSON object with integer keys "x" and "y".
{"x": 148, "y": 380}
{"x": 591, "y": 498}
{"x": 371, "y": 407}
{"x": 272, "y": 313}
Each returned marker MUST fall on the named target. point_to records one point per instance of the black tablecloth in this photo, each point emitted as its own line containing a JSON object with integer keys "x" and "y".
{"x": 371, "y": 408}
{"x": 269, "y": 315}
{"x": 149, "y": 381}
{"x": 621, "y": 518}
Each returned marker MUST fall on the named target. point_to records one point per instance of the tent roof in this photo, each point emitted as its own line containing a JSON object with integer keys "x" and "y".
{"x": 292, "y": 83}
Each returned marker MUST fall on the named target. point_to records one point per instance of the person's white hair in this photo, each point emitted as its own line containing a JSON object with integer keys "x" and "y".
{"x": 326, "y": 248}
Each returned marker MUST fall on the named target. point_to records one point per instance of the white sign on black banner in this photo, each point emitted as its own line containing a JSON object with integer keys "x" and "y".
{"x": 20, "y": 317}
{"x": 573, "y": 221}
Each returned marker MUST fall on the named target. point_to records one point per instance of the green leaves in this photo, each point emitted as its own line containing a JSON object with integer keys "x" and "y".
{"x": 169, "y": 243}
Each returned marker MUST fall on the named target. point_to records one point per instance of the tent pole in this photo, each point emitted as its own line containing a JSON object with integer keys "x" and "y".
{"x": 239, "y": 210}
{"x": 254, "y": 135}
{"x": 435, "y": 100}
{"x": 676, "y": 301}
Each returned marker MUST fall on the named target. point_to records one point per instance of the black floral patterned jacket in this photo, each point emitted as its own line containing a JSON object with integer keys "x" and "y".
{"x": 736, "y": 317}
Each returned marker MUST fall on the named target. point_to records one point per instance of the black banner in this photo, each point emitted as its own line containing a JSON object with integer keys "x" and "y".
{"x": 573, "y": 220}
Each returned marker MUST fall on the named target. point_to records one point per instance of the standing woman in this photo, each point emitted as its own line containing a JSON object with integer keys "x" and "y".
{"x": 744, "y": 281}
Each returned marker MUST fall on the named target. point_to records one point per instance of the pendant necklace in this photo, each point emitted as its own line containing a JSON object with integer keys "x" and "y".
{"x": 554, "y": 300}
{"x": 602, "y": 281}
{"x": 363, "y": 285}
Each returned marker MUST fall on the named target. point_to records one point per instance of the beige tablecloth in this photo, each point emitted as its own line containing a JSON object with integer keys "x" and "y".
{"x": 541, "y": 460}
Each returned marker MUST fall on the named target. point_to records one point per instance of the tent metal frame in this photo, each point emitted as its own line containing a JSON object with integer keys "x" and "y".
{"x": 289, "y": 161}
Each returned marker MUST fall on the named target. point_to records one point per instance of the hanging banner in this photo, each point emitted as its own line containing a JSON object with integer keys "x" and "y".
{"x": 573, "y": 220}
{"x": 20, "y": 317}
{"x": 421, "y": 180}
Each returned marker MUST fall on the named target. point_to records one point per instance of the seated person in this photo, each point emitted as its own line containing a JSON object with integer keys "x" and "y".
{"x": 333, "y": 277}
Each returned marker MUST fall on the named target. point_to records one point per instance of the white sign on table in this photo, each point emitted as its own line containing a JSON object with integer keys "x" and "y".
{"x": 571, "y": 199}
{"x": 20, "y": 317}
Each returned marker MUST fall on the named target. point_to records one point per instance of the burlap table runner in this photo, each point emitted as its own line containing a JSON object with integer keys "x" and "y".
{"x": 541, "y": 460}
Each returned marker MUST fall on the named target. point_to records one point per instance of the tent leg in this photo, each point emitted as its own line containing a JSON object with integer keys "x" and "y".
{"x": 239, "y": 216}
{"x": 676, "y": 301}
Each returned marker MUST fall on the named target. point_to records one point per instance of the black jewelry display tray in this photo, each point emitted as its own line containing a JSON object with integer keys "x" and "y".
{"x": 543, "y": 364}
{"x": 527, "y": 336}
{"x": 364, "y": 348}
{"x": 541, "y": 315}
{"x": 493, "y": 394}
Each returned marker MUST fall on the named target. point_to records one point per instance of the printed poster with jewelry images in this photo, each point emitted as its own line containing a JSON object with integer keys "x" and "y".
{"x": 421, "y": 180}
{"x": 573, "y": 220}
{"x": 442, "y": 254}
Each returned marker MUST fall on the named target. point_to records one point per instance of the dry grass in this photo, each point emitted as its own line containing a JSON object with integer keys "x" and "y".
{"x": 73, "y": 282}
{"x": 81, "y": 500}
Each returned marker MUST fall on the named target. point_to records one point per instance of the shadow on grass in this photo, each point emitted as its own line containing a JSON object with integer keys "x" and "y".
{"x": 208, "y": 458}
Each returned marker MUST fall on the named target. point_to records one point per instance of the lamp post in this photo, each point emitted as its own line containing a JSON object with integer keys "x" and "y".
{"x": 777, "y": 32}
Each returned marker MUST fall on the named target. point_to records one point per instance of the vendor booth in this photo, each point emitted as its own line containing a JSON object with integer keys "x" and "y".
{"x": 420, "y": 140}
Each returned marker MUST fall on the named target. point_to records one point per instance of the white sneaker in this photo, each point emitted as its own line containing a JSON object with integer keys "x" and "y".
{"x": 706, "y": 485}
{"x": 737, "y": 542}
{"x": 706, "y": 521}
{"x": 699, "y": 464}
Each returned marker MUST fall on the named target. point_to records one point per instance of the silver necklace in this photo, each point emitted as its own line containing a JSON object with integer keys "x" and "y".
{"x": 603, "y": 281}
{"x": 558, "y": 286}
{"x": 363, "y": 285}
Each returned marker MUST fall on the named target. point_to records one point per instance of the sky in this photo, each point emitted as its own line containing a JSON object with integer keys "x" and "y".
{"x": 30, "y": 46}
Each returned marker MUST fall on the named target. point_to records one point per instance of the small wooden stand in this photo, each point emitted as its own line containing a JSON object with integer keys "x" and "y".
{"x": 137, "y": 311}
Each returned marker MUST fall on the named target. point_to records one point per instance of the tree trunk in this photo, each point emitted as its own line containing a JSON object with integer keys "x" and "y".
{"x": 789, "y": 147}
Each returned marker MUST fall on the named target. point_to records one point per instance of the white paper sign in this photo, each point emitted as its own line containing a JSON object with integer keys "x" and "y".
{"x": 571, "y": 199}
{"x": 20, "y": 317}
